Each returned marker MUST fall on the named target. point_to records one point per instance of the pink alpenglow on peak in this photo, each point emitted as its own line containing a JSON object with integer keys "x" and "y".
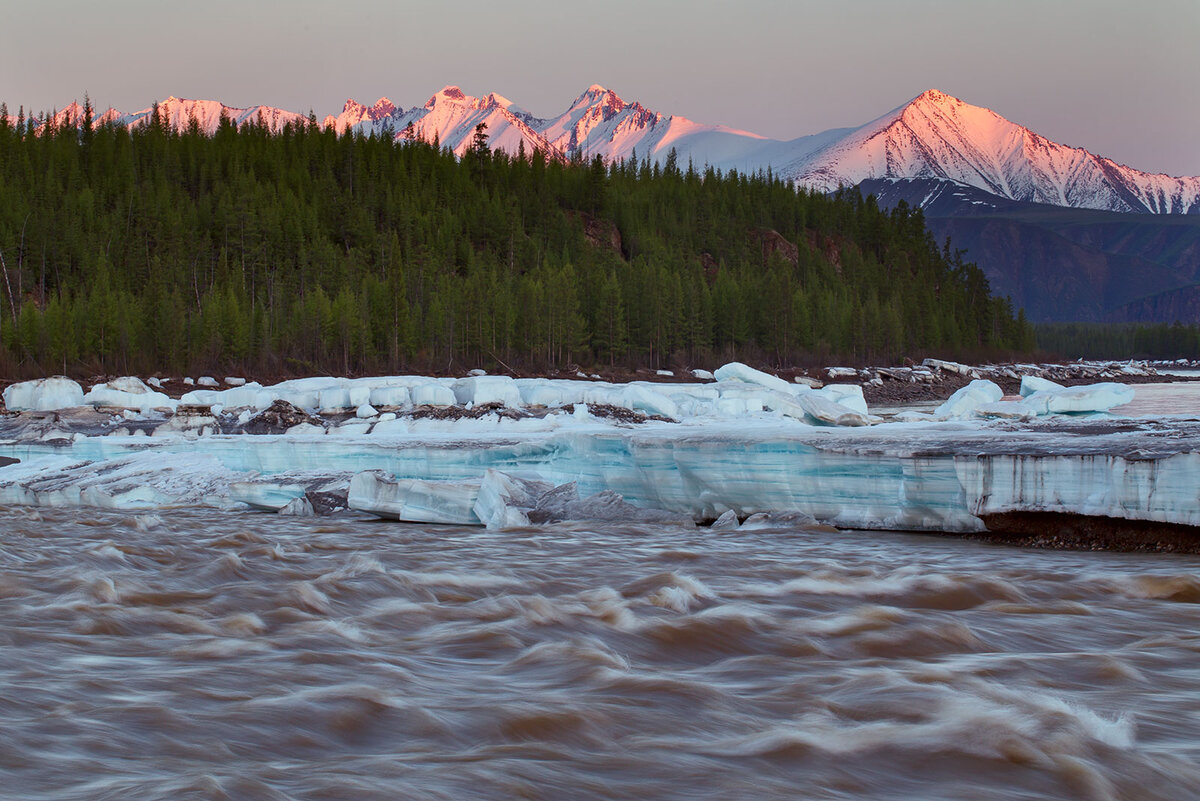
{"x": 937, "y": 135}
{"x": 451, "y": 93}
{"x": 355, "y": 114}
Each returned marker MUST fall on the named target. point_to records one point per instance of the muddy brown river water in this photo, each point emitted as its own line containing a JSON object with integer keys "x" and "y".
{"x": 193, "y": 655}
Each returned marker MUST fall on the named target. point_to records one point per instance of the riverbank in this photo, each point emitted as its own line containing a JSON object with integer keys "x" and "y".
{"x": 932, "y": 380}
{"x": 721, "y": 449}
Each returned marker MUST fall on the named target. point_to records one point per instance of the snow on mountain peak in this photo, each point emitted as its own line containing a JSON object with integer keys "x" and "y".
{"x": 447, "y": 93}
{"x": 939, "y": 136}
{"x": 936, "y": 96}
{"x": 598, "y": 95}
{"x": 494, "y": 99}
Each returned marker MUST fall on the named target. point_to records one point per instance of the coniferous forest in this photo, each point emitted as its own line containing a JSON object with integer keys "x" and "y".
{"x": 304, "y": 251}
{"x": 1120, "y": 340}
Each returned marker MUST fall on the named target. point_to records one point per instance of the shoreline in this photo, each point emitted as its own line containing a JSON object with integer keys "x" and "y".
{"x": 491, "y": 451}
{"x": 880, "y": 385}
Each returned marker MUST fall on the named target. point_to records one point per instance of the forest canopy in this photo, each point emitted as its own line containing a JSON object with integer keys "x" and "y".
{"x": 303, "y": 250}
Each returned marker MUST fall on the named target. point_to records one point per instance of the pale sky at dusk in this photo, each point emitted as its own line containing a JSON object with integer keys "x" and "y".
{"x": 1117, "y": 77}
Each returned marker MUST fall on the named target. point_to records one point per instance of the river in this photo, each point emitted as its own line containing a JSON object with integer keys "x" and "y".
{"x": 187, "y": 654}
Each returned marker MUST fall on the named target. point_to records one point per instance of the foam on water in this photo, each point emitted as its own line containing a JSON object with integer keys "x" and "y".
{"x": 306, "y": 658}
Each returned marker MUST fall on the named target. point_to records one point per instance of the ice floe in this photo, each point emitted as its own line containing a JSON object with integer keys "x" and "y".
{"x": 503, "y": 452}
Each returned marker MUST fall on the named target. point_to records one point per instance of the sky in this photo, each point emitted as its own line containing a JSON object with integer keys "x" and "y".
{"x": 1119, "y": 78}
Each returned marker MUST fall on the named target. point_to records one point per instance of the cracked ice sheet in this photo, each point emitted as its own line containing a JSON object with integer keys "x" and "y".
{"x": 923, "y": 476}
{"x": 146, "y": 480}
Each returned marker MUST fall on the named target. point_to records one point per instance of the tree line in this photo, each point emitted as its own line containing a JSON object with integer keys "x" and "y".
{"x": 1120, "y": 340}
{"x": 303, "y": 251}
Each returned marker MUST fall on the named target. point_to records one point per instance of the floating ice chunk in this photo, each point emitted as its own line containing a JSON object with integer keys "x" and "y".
{"x": 189, "y": 381}
{"x": 703, "y": 375}
{"x": 1032, "y": 383}
{"x": 505, "y": 500}
{"x": 206, "y": 381}
{"x": 487, "y": 389}
{"x": 736, "y": 371}
{"x": 962, "y": 404}
{"x": 432, "y": 394}
{"x": 234, "y": 381}
{"x": 413, "y": 499}
{"x": 365, "y": 411}
{"x": 1087, "y": 398}
{"x": 154, "y": 382}
{"x": 476, "y": 371}
{"x": 665, "y": 373}
{"x": 43, "y": 395}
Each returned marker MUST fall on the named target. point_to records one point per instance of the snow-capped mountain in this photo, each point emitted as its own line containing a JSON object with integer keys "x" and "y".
{"x": 934, "y": 136}
{"x": 356, "y": 115}
{"x": 600, "y": 123}
{"x": 450, "y": 116}
{"x": 939, "y": 136}
{"x": 74, "y": 114}
{"x": 179, "y": 112}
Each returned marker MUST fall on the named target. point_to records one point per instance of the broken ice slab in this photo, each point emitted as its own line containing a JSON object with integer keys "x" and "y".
{"x": 43, "y": 395}
{"x": 1080, "y": 399}
{"x": 268, "y": 496}
{"x": 563, "y": 503}
{"x": 505, "y": 500}
{"x": 414, "y": 500}
{"x": 962, "y": 403}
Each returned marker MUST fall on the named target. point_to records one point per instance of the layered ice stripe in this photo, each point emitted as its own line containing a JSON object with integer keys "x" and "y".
{"x": 1105, "y": 485}
{"x": 900, "y": 476}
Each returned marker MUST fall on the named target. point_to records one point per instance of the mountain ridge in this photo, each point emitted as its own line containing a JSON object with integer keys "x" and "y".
{"x": 934, "y": 135}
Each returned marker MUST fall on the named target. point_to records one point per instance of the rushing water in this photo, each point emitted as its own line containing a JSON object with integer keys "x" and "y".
{"x": 190, "y": 655}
